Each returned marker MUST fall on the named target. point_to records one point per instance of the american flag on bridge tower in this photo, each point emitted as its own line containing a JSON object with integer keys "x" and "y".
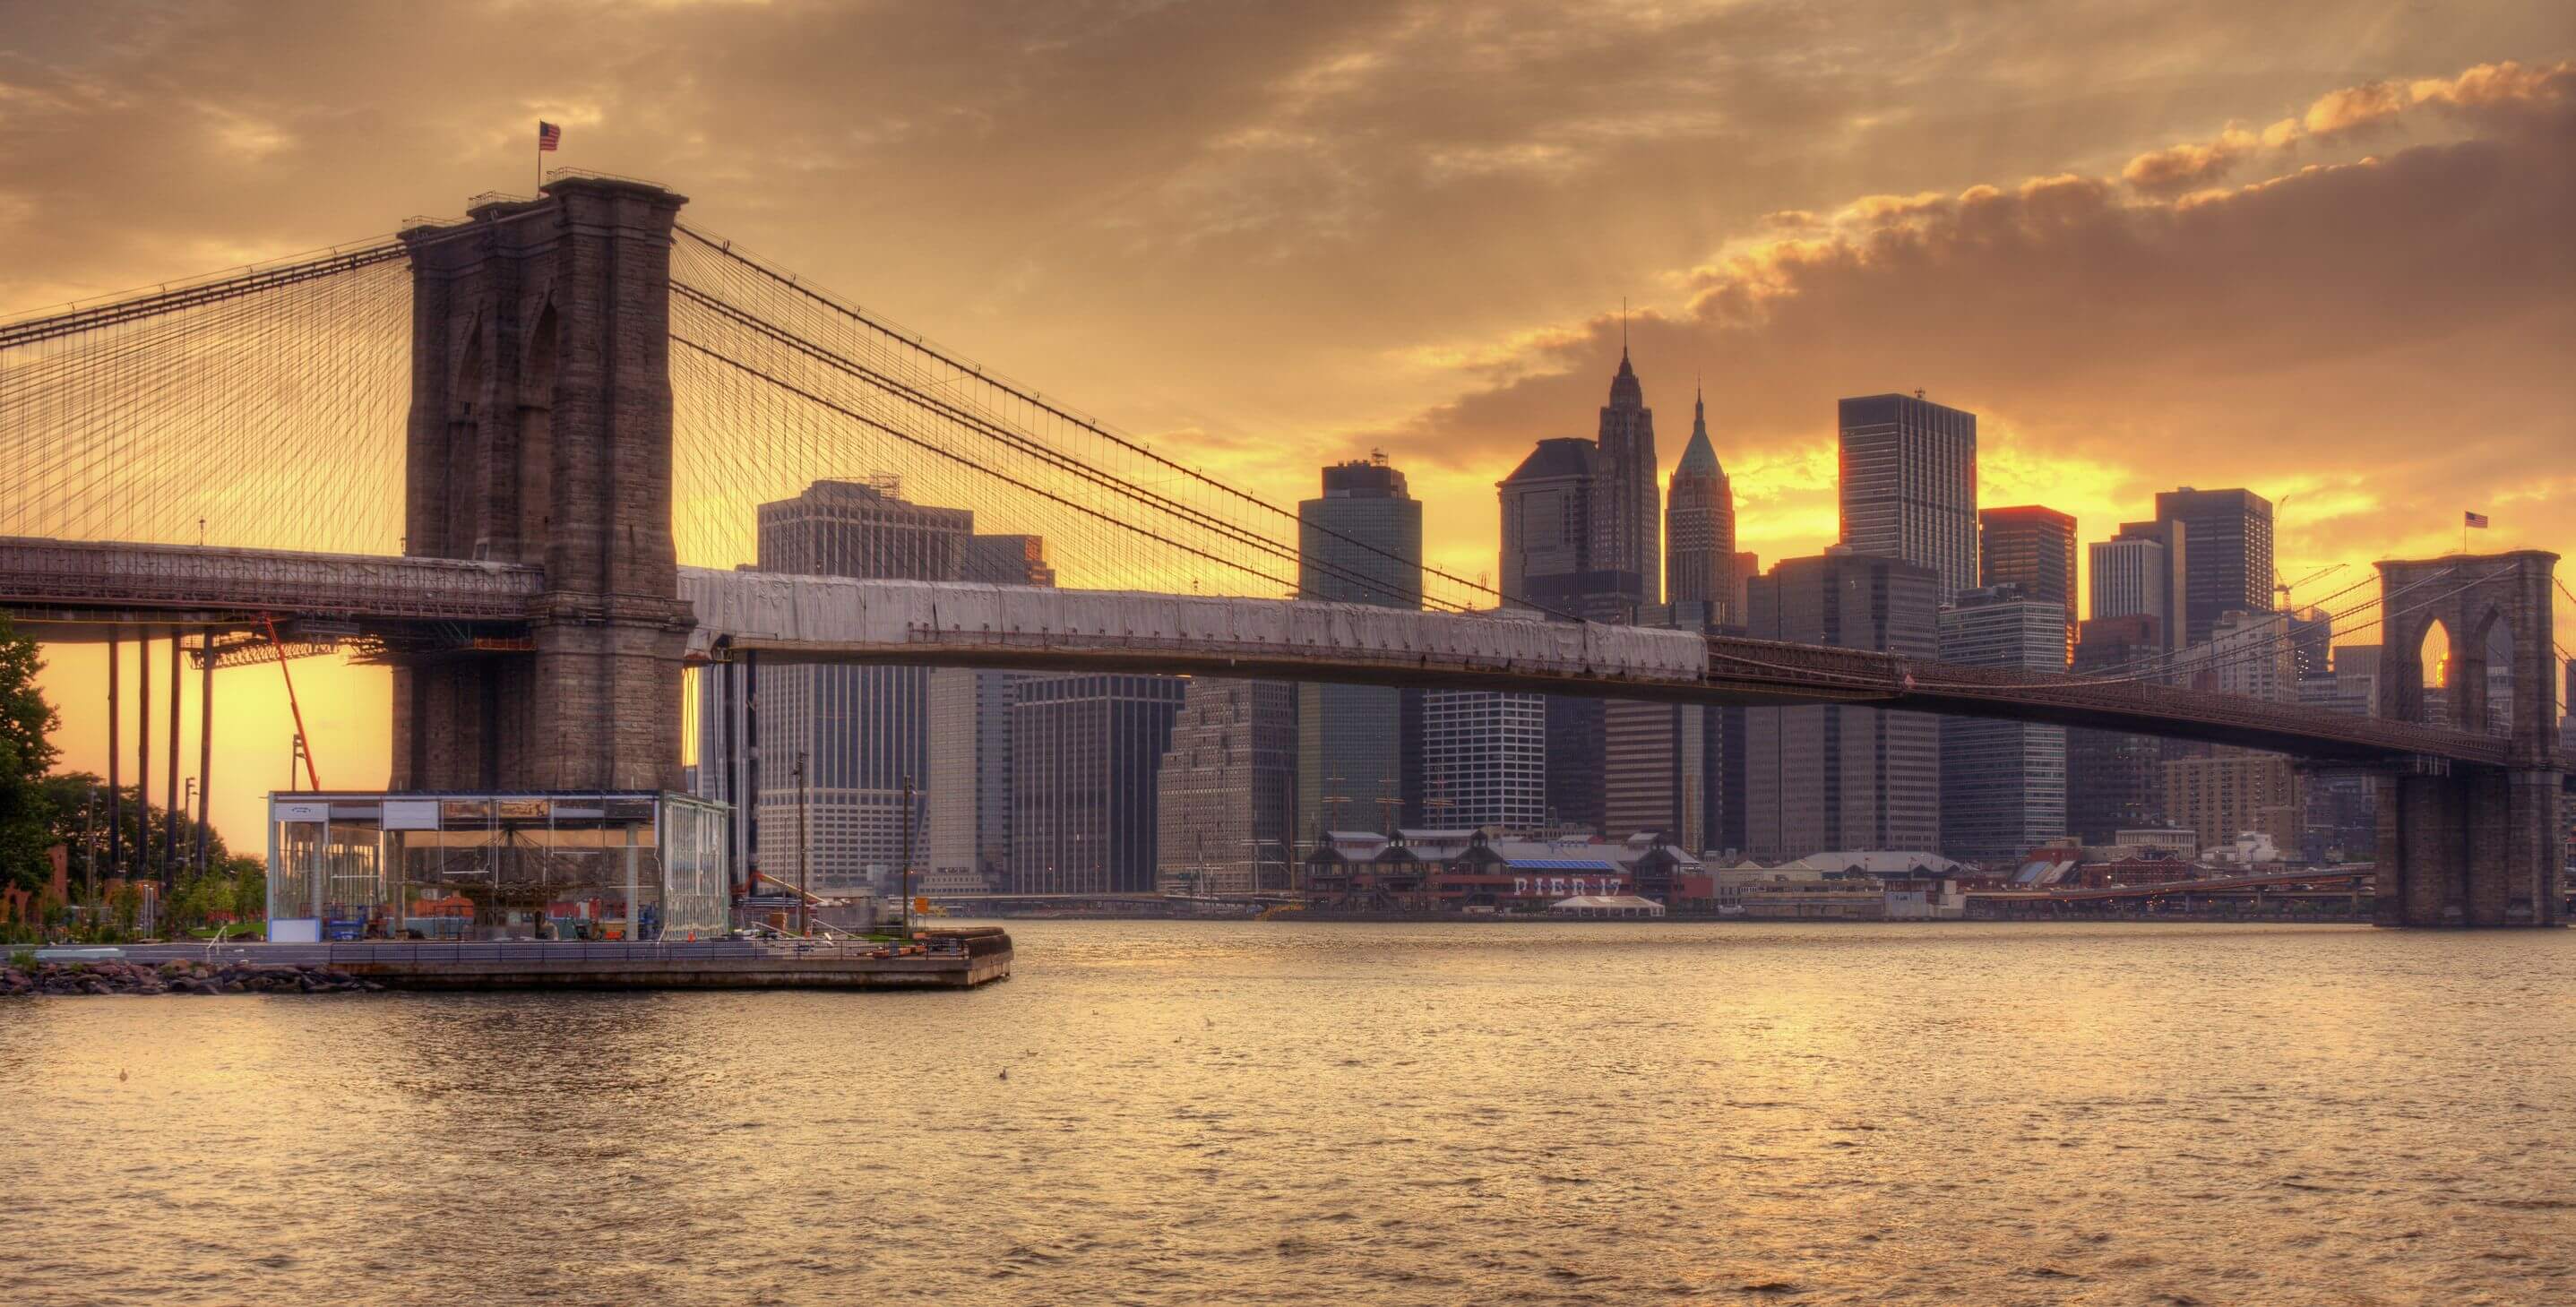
{"x": 549, "y": 136}
{"x": 2478, "y": 520}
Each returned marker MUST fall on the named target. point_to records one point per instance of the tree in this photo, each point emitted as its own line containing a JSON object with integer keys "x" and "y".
{"x": 80, "y": 812}
{"x": 27, "y": 752}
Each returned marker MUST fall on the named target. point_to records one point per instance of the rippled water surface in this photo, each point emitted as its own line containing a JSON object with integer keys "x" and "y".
{"x": 1276, "y": 1113}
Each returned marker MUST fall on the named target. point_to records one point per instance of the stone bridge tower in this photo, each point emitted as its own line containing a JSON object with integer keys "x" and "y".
{"x": 540, "y": 434}
{"x": 2467, "y": 846}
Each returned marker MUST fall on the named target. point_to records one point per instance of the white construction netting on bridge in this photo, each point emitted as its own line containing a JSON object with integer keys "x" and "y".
{"x": 845, "y": 615}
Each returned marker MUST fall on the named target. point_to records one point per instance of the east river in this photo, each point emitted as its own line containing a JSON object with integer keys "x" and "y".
{"x": 1187, "y": 1113}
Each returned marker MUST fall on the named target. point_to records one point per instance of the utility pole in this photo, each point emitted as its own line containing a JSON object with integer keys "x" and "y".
{"x": 205, "y": 734}
{"x": 115, "y": 790}
{"x": 907, "y": 855}
{"x": 142, "y": 756}
{"x": 170, "y": 826}
{"x": 803, "y": 909}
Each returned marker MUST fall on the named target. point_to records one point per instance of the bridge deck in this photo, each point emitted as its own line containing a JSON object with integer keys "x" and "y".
{"x": 68, "y": 580}
{"x": 835, "y": 619}
{"x": 832, "y": 619}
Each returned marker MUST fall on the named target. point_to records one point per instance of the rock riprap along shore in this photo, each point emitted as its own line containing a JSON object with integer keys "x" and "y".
{"x": 70, "y": 978}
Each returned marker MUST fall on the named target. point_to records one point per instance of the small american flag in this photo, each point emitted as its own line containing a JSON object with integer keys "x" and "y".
{"x": 549, "y": 136}
{"x": 2478, "y": 520}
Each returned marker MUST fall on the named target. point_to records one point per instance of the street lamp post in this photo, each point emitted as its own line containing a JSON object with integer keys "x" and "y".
{"x": 188, "y": 805}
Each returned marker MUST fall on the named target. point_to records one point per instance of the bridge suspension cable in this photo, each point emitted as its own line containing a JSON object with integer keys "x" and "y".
{"x": 961, "y": 435}
{"x": 262, "y": 408}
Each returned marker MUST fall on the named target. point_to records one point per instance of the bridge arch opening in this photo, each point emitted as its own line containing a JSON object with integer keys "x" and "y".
{"x": 2432, "y": 675}
{"x": 2483, "y": 678}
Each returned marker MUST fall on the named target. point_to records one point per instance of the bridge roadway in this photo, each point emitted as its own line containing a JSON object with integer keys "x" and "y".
{"x": 84, "y": 590}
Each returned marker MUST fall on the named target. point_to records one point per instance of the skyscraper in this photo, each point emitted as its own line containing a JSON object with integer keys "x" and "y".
{"x": 2227, "y": 555}
{"x": 1699, "y": 526}
{"x": 2033, "y": 548}
{"x": 1227, "y": 811}
{"x": 2003, "y": 784}
{"x": 1085, "y": 751}
{"x": 970, "y": 776}
{"x": 1484, "y": 758}
{"x": 970, "y": 726}
{"x": 1655, "y": 777}
{"x": 1627, "y": 514}
{"x": 2254, "y": 654}
{"x": 1547, "y": 527}
{"x": 1834, "y": 777}
{"x": 1582, "y": 537}
{"x": 2114, "y": 780}
{"x": 1360, "y": 543}
{"x": 1909, "y": 484}
{"x": 2140, "y": 572}
{"x": 863, "y": 733}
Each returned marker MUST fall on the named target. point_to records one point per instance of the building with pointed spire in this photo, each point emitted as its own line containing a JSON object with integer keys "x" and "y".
{"x": 1627, "y": 512}
{"x": 1582, "y": 529}
{"x": 1699, "y": 525}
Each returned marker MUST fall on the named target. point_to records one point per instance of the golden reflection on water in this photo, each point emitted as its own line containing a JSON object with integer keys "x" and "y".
{"x": 1169, "y": 1112}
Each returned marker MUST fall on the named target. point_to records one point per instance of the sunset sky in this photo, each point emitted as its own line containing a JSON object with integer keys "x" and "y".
{"x": 2321, "y": 250}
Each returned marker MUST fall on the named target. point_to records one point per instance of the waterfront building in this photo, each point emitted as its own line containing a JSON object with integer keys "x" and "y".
{"x": 2003, "y": 784}
{"x": 2033, "y": 548}
{"x": 1830, "y": 776}
{"x": 2114, "y": 780}
{"x": 2234, "y": 791}
{"x": 2226, "y": 555}
{"x": 1227, "y": 813}
{"x": 1359, "y": 542}
{"x": 1085, "y": 752}
{"x": 1485, "y": 759}
{"x": 1909, "y": 484}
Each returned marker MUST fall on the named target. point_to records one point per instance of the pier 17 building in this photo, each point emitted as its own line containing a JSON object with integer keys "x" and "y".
{"x": 619, "y": 864}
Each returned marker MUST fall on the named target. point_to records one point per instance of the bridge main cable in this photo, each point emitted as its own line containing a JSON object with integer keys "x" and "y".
{"x": 795, "y": 285}
{"x": 29, "y": 331}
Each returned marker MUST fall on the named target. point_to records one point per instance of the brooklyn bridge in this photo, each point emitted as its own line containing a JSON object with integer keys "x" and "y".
{"x": 515, "y": 458}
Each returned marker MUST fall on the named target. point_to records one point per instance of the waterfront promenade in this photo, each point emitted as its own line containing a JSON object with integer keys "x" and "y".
{"x": 954, "y": 958}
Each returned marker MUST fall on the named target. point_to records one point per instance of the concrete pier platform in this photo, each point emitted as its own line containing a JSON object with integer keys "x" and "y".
{"x": 958, "y": 958}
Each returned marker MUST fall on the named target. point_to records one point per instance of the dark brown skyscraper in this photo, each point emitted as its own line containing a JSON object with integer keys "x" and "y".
{"x": 1909, "y": 484}
{"x": 1583, "y": 536}
{"x": 1627, "y": 512}
{"x": 2034, "y": 548}
{"x": 1835, "y": 776}
{"x": 2227, "y": 560}
{"x": 1699, "y": 526}
{"x": 2114, "y": 781}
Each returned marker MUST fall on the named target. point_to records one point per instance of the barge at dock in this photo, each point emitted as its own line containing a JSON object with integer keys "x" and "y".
{"x": 945, "y": 958}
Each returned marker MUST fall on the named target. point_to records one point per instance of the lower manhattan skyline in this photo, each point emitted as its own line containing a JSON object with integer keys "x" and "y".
{"x": 2337, "y": 288}
{"x": 1498, "y": 617}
